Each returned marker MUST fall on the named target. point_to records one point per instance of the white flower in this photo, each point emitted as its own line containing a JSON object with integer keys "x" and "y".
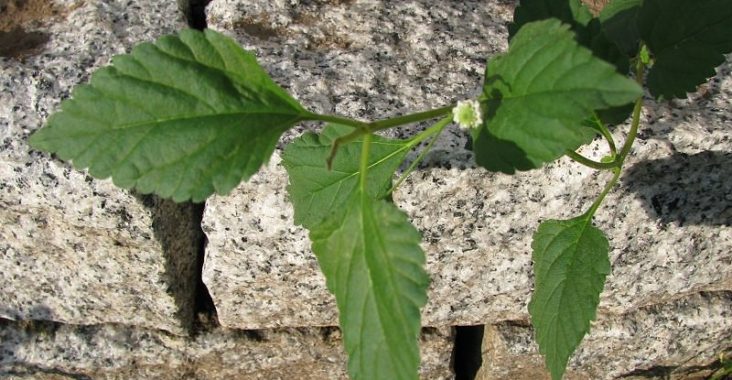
{"x": 467, "y": 114}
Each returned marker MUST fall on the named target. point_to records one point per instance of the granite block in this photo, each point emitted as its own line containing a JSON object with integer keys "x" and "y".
{"x": 49, "y": 351}
{"x": 681, "y": 339}
{"x": 74, "y": 249}
{"x": 668, "y": 222}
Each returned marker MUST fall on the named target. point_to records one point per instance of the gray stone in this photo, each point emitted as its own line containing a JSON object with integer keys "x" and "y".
{"x": 47, "y": 351}
{"x": 668, "y": 222}
{"x": 74, "y": 249}
{"x": 680, "y": 339}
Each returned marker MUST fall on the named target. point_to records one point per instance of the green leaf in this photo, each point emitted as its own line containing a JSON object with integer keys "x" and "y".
{"x": 589, "y": 33}
{"x": 570, "y": 264}
{"x": 620, "y": 24}
{"x": 571, "y": 12}
{"x": 538, "y": 94}
{"x": 370, "y": 255}
{"x": 182, "y": 118}
{"x": 688, "y": 40}
{"x": 316, "y": 191}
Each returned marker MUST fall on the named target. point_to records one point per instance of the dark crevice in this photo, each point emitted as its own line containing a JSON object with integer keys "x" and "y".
{"x": 673, "y": 372}
{"x": 204, "y": 309}
{"x": 466, "y": 354}
{"x": 195, "y": 12}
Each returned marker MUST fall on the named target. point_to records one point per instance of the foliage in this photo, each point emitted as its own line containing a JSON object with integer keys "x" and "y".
{"x": 193, "y": 114}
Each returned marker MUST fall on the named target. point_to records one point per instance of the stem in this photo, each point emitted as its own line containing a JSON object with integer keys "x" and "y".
{"x": 596, "y": 204}
{"x": 590, "y": 163}
{"x": 410, "y": 118}
{"x": 337, "y": 120}
{"x": 380, "y": 124}
{"x": 639, "y": 68}
{"x": 433, "y": 130}
{"x": 632, "y": 133}
{"x": 342, "y": 141}
{"x": 606, "y": 134}
{"x": 364, "y": 167}
{"x": 620, "y": 158}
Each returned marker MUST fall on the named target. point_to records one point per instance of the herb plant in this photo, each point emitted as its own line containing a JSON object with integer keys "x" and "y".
{"x": 193, "y": 114}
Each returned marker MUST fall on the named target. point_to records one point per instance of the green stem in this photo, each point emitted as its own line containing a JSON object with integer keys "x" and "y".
{"x": 607, "y": 135}
{"x": 590, "y": 163}
{"x": 364, "y": 167}
{"x": 632, "y": 133}
{"x": 358, "y": 132}
{"x": 639, "y": 68}
{"x": 620, "y": 158}
{"x": 380, "y": 124}
{"x": 410, "y": 118}
{"x": 596, "y": 204}
{"x": 336, "y": 120}
{"x": 433, "y": 130}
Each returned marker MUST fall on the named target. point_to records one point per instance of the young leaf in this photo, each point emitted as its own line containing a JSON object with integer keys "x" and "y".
{"x": 182, "y": 118}
{"x": 316, "y": 191}
{"x": 571, "y": 12}
{"x": 688, "y": 40}
{"x": 370, "y": 255}
{"x": 570, "y": 263}
{"x": 538, "y": 94}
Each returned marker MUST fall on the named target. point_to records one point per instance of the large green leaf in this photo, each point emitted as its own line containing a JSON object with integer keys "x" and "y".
{"x": 316, "y": 191}
{"x": 589, "y": 32}
{"x": 620, "y": 22}
{"x": 182, "y": 118}
{"x": 570, "y": 265}
{"x": 538, "y": 94}
{"x": 370, "y": 255}
{"x": 688, "y": 40}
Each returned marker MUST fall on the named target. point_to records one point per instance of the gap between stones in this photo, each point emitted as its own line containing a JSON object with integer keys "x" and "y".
{"x": 466, "y": 358}
{"x": 204, "y": 309}
{"x": 467, "y": 355}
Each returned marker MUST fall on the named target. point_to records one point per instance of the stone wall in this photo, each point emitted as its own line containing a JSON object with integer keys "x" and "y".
{"x": 105, "y": 283}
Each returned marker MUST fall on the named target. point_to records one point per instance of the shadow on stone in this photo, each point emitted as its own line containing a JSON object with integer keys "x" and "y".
{"x": 19, "y": 43}
{"x": 685, "y": 189}
{"x": 177, "y": 226}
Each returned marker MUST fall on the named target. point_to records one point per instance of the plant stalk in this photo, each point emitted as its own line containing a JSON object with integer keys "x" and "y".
{"x": 590, "y": 163}
{"x": 433, "y": 130}
{"x": 364, "y": 164}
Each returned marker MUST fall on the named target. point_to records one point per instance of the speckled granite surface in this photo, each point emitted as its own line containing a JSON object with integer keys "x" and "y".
{"x": 74, "y": 249}
{"x": 49, "y": 352}
{"x": 668, "y": 222}
{"x": 675, "y": 340}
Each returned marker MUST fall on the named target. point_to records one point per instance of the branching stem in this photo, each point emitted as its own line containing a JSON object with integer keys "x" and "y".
{"x": 599, "y": 126}
{"x": 381, "y": 124}
{"x": 435, "y": 130}
{"x": 590, "y": 163}
{"x": 632, "y": 133}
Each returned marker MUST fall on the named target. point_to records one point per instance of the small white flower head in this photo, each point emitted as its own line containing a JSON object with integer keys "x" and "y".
{"x": 467, "y": 114}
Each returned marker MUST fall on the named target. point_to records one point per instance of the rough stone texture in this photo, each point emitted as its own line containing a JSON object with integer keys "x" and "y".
{"x": 74, "y": 249}
{"x": 676, "y": 340}
{"x": 668, "y": 222}
{"x": 46, "y": 351}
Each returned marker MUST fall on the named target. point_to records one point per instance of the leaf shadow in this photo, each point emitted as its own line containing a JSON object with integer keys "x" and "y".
{"x": 177, "y": 228}
{"x": 685, "y": 189}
